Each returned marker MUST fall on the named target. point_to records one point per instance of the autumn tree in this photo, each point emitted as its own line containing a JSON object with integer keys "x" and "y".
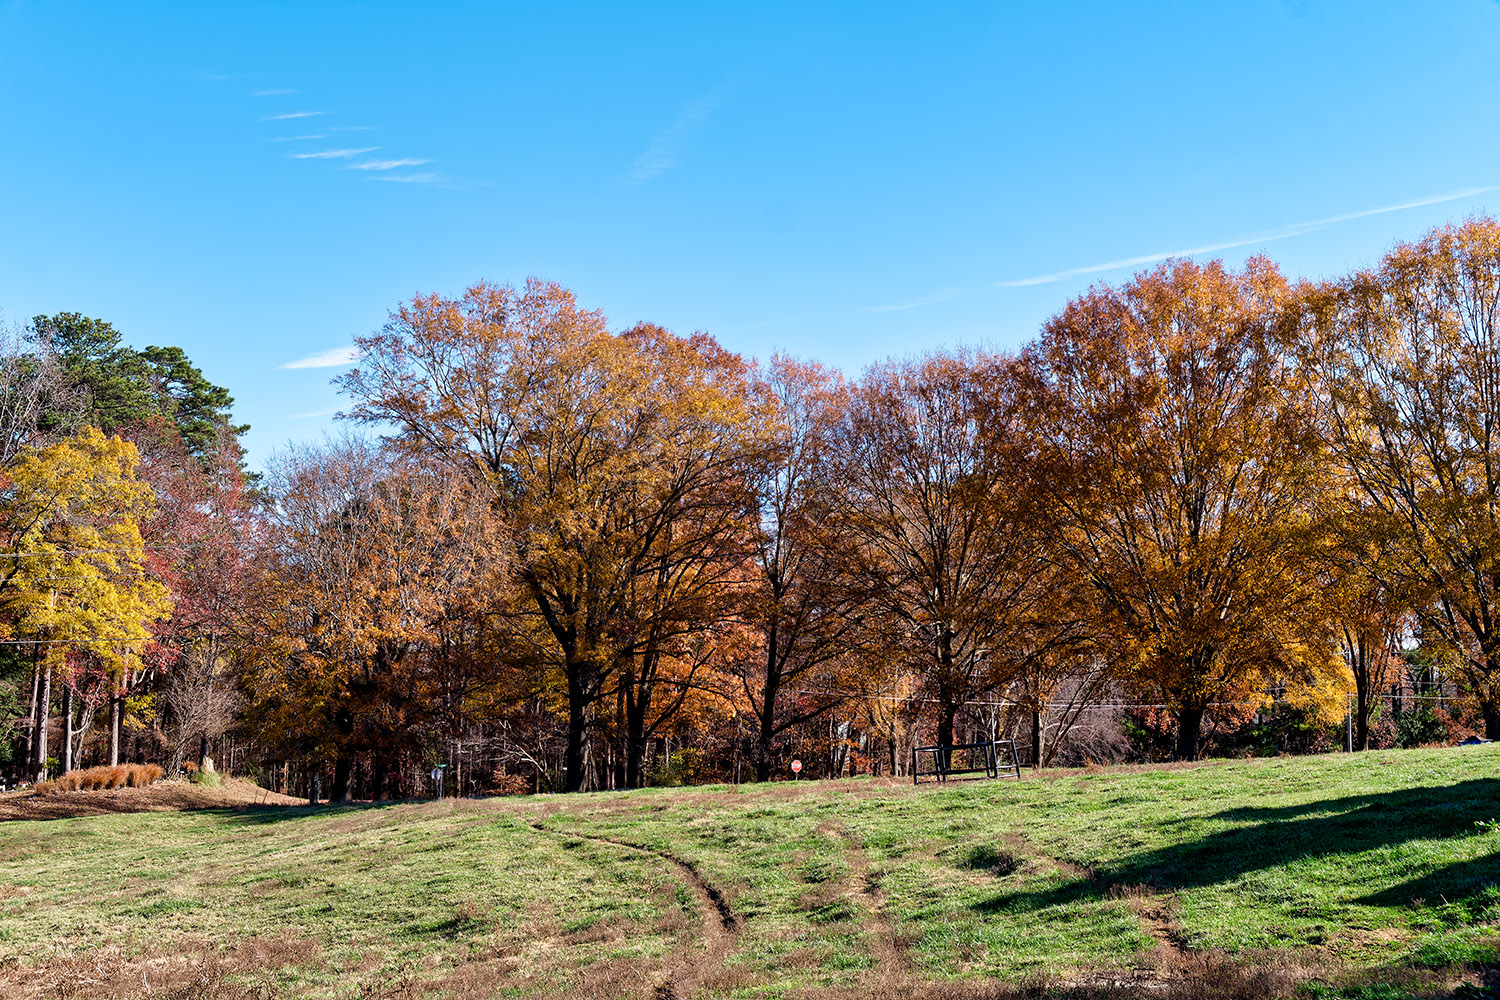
{"x": 803, "y": 604}
{"x": 930, "y": 476}
{"x": 74, "y": 578}
{"x": 198, "y": 545}
{"x": 602, "y": 454}
{"x": 369, "y": 563}
{"x": 1180, "y": 471}
{"x": 1406, "y": 363}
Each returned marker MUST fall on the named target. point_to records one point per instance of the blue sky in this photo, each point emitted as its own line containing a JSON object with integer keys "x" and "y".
{"x": 260, "y": 182}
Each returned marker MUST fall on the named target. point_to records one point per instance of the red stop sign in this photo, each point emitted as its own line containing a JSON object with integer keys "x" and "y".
{"x": 796, "y": 766}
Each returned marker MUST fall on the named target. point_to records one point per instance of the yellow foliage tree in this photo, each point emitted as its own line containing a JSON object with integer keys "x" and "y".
{"x": 75, "y": 578}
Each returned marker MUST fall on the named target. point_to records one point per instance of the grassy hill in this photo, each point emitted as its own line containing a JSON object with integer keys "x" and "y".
{"x": 1371, "y": 875}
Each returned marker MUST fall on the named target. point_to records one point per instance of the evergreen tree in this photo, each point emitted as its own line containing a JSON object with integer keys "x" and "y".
{"x": 123, "y": 387}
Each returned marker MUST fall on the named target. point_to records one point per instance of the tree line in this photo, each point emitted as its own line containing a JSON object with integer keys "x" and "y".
{"x": 1202, "y": 501}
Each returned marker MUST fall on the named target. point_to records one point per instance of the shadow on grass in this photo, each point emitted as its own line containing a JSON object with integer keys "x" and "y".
{"x": 1326, "y": 829}
{"x": 260, "y": 815}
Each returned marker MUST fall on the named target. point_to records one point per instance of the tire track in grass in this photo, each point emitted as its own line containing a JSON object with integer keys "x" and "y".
{"x": 721, "y": 925}
{"x": 880, "y": 929}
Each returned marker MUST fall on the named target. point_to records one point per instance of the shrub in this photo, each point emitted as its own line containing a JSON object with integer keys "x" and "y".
{"x": 1417, "y": 726}
{"x": 679, "y": 769}
{"x": 509, "y": 784}
{"x": 206, "y": 778}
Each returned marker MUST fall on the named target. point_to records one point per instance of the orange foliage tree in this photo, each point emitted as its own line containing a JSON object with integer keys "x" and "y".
{"x": 1180, "y": 472}
{"x": 608, "y": 459}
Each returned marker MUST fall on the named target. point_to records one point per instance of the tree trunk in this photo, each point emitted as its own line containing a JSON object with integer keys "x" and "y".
{"x": 44, "y": 705}
{"x": 378, "y": 780}
{"x": 36, "y": 687}
{"x": 67, "y": 729}
{"x": 627, "y": 762}
{"x": 1364, "y": 707}
{"x": 314, "y": 776}
{"x": 767, "y": 719}
{"x": 635, "y": 743}
{"x": 580, "y": 700}
{"x": 763, "y": 741}
{"x": 945, "y": 733}
{"x": 1491, "y": 720}
{"x": 1036, "y": 740}
{"x": 1189, "y": 724}
{"x": 343, "y": 767}
{"x": 116, "y": 711}
{"x": 202, "y": 751}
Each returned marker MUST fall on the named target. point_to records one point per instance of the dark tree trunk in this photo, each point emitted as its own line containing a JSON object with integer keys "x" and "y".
{"x": 377, "y": 781}
{"x": 1189, "y": 724}
{"x": 343, "y": 767}
{"x": 44, "y": 704}
{"x": 767, "y": 729}
{"x": 203, "y": 751}
{"x": 1036, "y": 740}
{"x": 580, "y": 701}
{"x": 1491, "y": 720}
{"x": 635, "y": 738}
{"x": 945, "y": 733}
{"x": 763, "y": 740}
{"x": 314, "y": 783}
{"x": 627, "y": 761}
{"x": 1363, "y": 709}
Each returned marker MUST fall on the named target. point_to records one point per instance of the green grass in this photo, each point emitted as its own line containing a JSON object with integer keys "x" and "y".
{"x": 1359, "y": 866}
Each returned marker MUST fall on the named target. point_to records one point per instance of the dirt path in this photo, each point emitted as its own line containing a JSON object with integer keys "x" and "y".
{"x": 721, "y": 925}
{"x": 880, "y": 928}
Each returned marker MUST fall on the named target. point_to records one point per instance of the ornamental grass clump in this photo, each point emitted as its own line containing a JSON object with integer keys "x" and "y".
{"x": 98, "y": 778}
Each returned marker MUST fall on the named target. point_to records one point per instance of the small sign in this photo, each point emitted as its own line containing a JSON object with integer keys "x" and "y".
{"x": 796, "y": 766}
{"x": 437, "y": 774}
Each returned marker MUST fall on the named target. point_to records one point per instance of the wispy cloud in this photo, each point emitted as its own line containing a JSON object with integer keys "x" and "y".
{"x": 352, "y": 128}
{"x": 333, "y": 154}
{"x": 336, "y": 357}
{"x": 410, "y": 178}
{"x": 1286, "y": 232}
{"x": 292, "y": 114}
{"x": 941, "y": 295}
{"x": 666, "y": 146}
{"x": 427, "y": 178}
{"x": 274, "y": 92}
{"x": 388, "y": 164}
{"x": 315, "y": 413}
{"x": 299, "y": 138}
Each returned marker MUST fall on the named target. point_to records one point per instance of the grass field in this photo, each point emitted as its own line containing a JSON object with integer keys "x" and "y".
{"x": 1372, "y": 875}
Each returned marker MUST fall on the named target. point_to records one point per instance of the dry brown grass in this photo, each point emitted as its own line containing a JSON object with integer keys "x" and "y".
{"x": 189, "y": 970}
{"x": 161, "y": 796}
{"x": 94, "y": 779}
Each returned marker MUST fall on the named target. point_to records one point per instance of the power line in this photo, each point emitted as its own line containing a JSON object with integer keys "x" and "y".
{"x": 1103, "y": 706}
